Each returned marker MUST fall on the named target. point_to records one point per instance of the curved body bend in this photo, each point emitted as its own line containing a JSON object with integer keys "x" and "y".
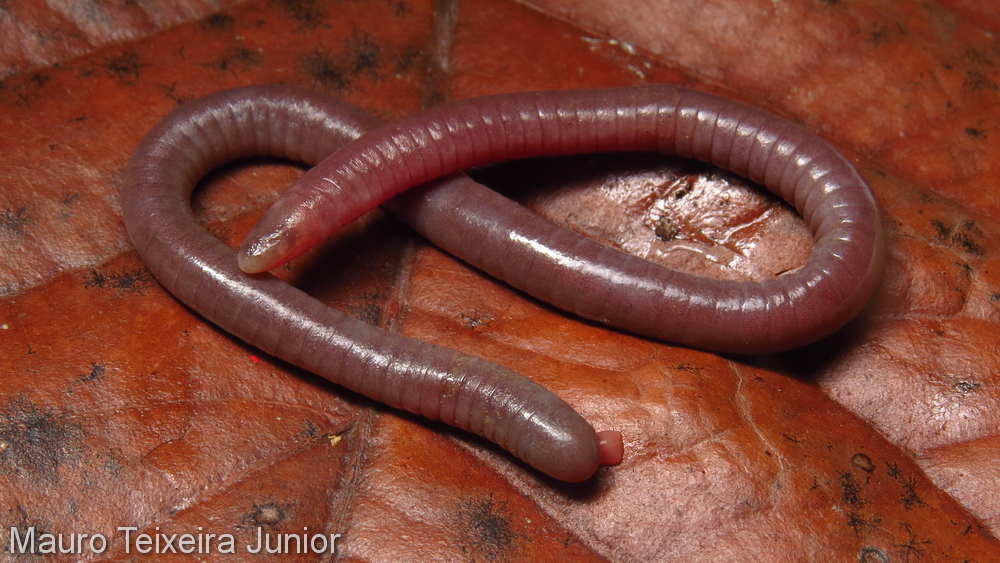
{"x": 571, "y": 272}
{"x": 442, "y": 384}
{"x": 580, "y": 275}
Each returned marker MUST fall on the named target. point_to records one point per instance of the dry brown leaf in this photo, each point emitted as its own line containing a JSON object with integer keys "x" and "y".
{"x": 122, "y": 408}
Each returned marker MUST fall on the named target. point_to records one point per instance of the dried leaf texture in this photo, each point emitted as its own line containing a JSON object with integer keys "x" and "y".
{"x": 121, "y": 408}
{"x": 38, "y": 34}
{"x": 911, "y": 90}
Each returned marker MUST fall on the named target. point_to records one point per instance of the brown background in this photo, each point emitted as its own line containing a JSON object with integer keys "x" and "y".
{"x": 119, "y": 407}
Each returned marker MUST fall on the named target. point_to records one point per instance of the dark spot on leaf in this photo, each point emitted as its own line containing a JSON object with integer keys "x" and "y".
{"x": 399, "y": 7}
{"x": 128, "y": 281}
{"x": 305, "y": 12}
{"x": 860, "y": 525}
{"x": 863, "y": 462}
{"x": 476, "y": 319}
{"x": 311, "y": 430}
{"x": 237, "y": 59}
{"x": 970, "y": 529}
{"x": 324, "y": 70}
{"x": 217, "y": 22}
{"x": 909, "y": 497}
{"x": 13, "y": 221}
{"x": 977, "y": 133}
{"x": 485, "y": 532}
{"x": 364, "y": 54}
{"x": 850, "y": 492}
{"x": 368, "y": 308}
{"x": 22, "y": 87}
{"x": 913, "y": 547}
{"x": 686, "y": 368}
{"x": 36, "y": 442}
{"x": 976, "y": 56}
{"x": 113, "y": 465}
{"x": 97, "y": 371}
{"x": 39, "y": 79}
{"x": 124, "y": 67}
{"x": 976, "y": 80}
{"x": 943, "y": 231}
{"x": 67, "y": 203}
{"x": 967, "y": 236}
{"x": 170, "y": 92}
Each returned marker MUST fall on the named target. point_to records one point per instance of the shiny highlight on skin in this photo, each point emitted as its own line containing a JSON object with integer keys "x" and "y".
{"x": 574, "y": 273}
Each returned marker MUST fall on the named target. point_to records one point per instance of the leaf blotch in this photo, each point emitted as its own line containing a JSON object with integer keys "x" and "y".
{"x": 237, "y": 59}
{"x": 977, "y": 80}
{"x": 325, "y": 70}
{"x": 362, "y": 57}
{"x": 966, "y": 236}
{"x": 36, "y": 442}
{"x": 125, "y": 67}
{"x": 13, "y": 221}
{"x": 850, "y": 492}
{"x": 124, "y": 281}
{"x": 97, "y": 372}
{"x": 909, "y": 497}
{"x": 304, "y": 12}
{"x": 218, "y": 22}
{"x": 977, "y": 133}
{"x": 485, "y": 531}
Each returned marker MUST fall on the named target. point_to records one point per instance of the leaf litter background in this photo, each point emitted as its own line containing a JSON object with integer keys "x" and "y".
{"x": 122, "y": 408}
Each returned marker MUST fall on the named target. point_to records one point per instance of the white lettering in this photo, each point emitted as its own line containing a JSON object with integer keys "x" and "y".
{"x": 186, "y": 543}
{"x": 227, "y": 543}
{"x": 128, "y": 539}
{"x": 294, "y": 543}
{"x": 46, "y": 543}
{"x": 30, "y": 541}
{"x": 322, "y": 547}
{"x": 260, "y": 533}
{"x": 143, "y": 543}
{"x": 27, "y": 546}
{"x": 104, "y": 543}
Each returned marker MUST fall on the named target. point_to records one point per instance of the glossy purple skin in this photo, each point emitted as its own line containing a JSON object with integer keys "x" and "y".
{"x": 583, "y": 276}
{"x": 442, "y": 384}
{"x": 547, "y": 261}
